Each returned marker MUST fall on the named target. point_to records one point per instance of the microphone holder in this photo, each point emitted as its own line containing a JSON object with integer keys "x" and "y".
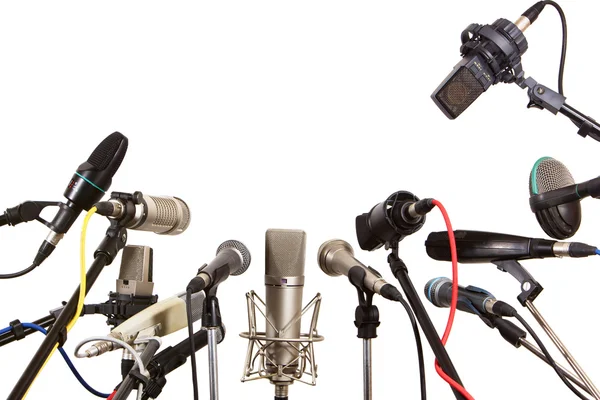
{"x": 544, "y": 98}
{"x": 401, "y": 273}
{"x": 114, "y": 241}
{"x": 366, "y": 321}
{"x": 530, "y": 289}
{"x": 257, "y": 356}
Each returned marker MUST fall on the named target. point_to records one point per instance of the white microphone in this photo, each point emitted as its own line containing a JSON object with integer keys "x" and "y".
{"x": 165, "y": 317}
{"x": 285, "y": 251}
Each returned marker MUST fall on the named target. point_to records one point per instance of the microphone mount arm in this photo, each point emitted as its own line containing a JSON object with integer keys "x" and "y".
{"x": 530, "y": 288}
{"x": 544, "y": 98}
{"x": 366, "y": 321}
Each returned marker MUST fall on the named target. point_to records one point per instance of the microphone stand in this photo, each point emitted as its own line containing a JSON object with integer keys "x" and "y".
{"x": 530, "y": 289}
{"x": 211, "y": 322}
{"x": 367, "y": 321}
{"x": 114, "y": 241}
{"x": 135, "y": 376}
{"x": 401, "y": 273}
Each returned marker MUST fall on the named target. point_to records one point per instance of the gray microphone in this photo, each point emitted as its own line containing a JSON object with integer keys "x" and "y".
{"x": 285, "y": 251}
{"x": 135, "y": 275}
{"x": 336, "y": 257}
{"x": 164, "y": 215}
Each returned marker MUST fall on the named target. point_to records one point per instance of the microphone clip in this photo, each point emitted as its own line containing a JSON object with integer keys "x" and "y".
{"x": 366, "y": 316}
{"x": 530, "y": 288}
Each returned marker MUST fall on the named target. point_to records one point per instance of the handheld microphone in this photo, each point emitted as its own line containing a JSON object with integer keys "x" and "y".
{"x": 471, "y": 299}
{"x": 336, "y": 257}
{"x": 164, "y": 215}
{"x": 482, "y": 247}
{"x": 554, "y": 197}
{"x": 165, "y": 317}
{"x": 400, "y": 215}
{"x": 233, "y": 258}
{"x": 87, "y": 186}
{"x": 285, "y": 252}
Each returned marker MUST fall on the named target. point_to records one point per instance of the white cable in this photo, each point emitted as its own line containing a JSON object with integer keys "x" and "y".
{"x": 121, "y": 343}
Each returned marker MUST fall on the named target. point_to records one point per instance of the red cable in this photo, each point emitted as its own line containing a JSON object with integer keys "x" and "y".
{"x": 454, "y": 300}
{"x": 112, "y": 395}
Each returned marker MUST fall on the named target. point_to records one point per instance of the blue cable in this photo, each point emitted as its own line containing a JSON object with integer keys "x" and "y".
{"x": 598, "y": 251}
{"x": 66, "y": 358}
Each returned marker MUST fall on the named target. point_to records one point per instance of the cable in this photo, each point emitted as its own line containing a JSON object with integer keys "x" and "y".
{"x": 598, "y": 251}
{"x": 563, "y": 53}
{"x": 82, "y": 269}
{"x": 415, "y": 328}
{"x": 121, "y": 343}
{"x": 190, "y": 323}
{"x": 3, "y": 219}
{"x": 454, "y": 300}
{"x": 548, "y": 356}
{"x": 20, "y": 273}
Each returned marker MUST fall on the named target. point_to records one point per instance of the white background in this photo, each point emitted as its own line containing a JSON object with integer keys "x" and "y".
{"x": 270, "y": 114}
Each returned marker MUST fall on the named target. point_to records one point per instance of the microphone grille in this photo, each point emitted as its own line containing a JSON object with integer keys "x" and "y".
{"x": 549, "y": 174}
{"x": 197, "y": 304}
{"x": 459, "y": 92}
{"x": 239, "y": 246}
{"x": 136, "y": 263}
{"x": 104, "y": 154}
{"x": 327, "y": 250}
{"x": 171, "y": 212}
{"x": 432, "y": 290}
{"x": 285, "y": 252}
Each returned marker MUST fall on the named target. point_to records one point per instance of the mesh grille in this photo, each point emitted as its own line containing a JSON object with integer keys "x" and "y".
{"x": 285, "y": 252}
{"x": 549, "y": 174}
{"x": 103, "y": 155}
{"x": 166, "y": 211}
{"x": 459, "y": 92}
{"x": 132, "y": 263}
{"x": 239, "y": 246}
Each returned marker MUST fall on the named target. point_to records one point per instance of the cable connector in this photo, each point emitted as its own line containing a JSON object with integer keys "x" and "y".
{"x": 390, "y": 292}
{"x": 503, "y": 309}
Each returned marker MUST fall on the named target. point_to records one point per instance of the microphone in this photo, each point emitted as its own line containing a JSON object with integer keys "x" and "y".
{"x": 285, "y": 252}
{"x": 135, "y": 274}
{"x": 164, "y": 215}
{"x": 165, "y": 317}
{"x": 336, "y": 257}
{"x": 233, "y": 258}
{"x": 400, "y": 215}
{"x": 470, "y": 299}
{"x": 482, "y": 247}
{"x": 87, "y": 186}
{"x": 554, "y": 197}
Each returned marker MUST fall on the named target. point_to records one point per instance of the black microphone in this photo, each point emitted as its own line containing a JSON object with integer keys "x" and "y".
{"x": 87, "y": 186}
{"x": 233, "y": 258}
{"x": 400, "y": 215}
{"x": 554, "y": 197}
{"x": 482, "y": 247}
{"x": 471, "y": 299}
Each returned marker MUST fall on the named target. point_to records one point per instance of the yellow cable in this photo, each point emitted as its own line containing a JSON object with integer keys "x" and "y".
{"x": 82, "y": 285}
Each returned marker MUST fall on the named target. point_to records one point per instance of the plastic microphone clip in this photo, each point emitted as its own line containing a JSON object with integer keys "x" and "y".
{"x": 27, "y": 211}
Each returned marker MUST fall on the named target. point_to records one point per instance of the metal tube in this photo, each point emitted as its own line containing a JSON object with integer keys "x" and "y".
{"x": 213, "y": 370}
{"x": 367, "y": 369}
{"x": 562, "y": 348}
{"x": 537, "y": 352}
{"x": 128, "y": 383}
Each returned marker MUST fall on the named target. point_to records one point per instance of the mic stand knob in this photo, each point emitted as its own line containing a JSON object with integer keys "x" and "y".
{"x": 366, "y": 321}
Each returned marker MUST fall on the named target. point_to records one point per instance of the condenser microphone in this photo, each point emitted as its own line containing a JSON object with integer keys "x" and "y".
{"x": 135, "y": 275}
{"x": 233, "y": 258}
{"x": 165, "y": 317}
{"x": 87, "y": 186}
{"x": 285, "y": 252}
{"x": 554, "y": 197}
{"x": 482, "y": 247}
{"x": 164, "y": 215}
{"x": 336, "y": 257}
{"x": 471, "y": 299}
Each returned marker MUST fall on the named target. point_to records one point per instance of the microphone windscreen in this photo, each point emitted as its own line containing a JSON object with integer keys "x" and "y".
{"x": 135, "y": 274}
{"x": 549, "y": 174}
{"x": 285, "y": 252}
{"x": 239, "y": 246}
{"x": 107, "y": 155}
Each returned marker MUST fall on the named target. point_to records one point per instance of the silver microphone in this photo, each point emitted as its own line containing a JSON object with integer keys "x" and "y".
{"x": 164, "y": 215}
{"x": 285, "y": 251}
{"x": 336, "y": 257}
{"x": 135, "y": 275}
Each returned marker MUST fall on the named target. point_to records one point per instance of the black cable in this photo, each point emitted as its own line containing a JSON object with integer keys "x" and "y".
{"x": 20, "y": 273}
{"x": 549, "y": 357}
{"x": 190, "y": 322}
{"x": 563, "y": 53}
{"x": 3, "y": 219}
{"x": 413, "y": 322}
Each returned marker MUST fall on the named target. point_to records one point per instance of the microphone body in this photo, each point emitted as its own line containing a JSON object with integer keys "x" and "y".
{"x": 336, "y": 257}
{"x": 87, "y": 186}
{"x": 470, "y": 299}
{"x": 233, "y": 258}
{"x": 165, "y": 317}
{"x": 482, "y": 247}
{"x": 135, "y": 274}
{"x": 285, "y": 252}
